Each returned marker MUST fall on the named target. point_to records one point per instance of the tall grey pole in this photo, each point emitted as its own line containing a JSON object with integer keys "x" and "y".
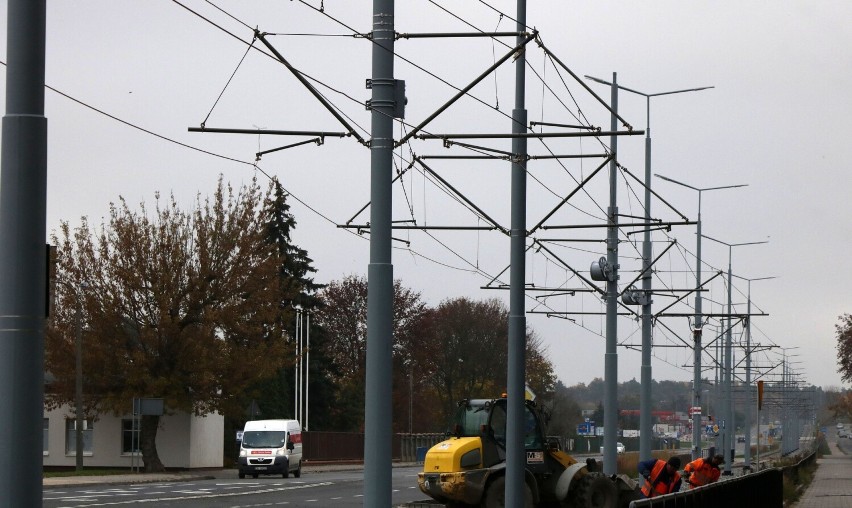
{"x": 645, "y": 424}
{"x": 78, "y": 383}
{"x": 307, "y": 369}
{"x": 749, "y": 400}
{"x": 23, "y": 255}
{"x": 297, "y": 386}
{"x": 378, "y": 416}
{"x": 697, "y": 332}
{"x": 697, "y": 329}
{"x": 728, "y": 432}
{"x": 611, "y": 356}
{"x": 515, "y": 454}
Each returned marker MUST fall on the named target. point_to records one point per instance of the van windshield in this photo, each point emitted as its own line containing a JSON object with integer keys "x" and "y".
{"x": 264, "y": 438}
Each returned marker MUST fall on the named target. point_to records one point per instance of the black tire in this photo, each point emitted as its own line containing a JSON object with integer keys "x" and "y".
{"x": 298, "y": 472}
{"x": 595, "y": 490}
{"x": 285, "y": 474}
{"x": 495, "y": 494}
{"x": 254, "y": 475}
{"x": 241, "y": 475}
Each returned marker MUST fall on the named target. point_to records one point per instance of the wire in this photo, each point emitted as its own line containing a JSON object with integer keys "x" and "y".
{"x": 204, "y": 122}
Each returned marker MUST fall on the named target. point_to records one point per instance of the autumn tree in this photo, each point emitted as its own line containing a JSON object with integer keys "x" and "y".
{"x": 465, "y": 353}
{"x": 844, "y": 347}
{"x": 180, "y": 305}
{"x": 343, "y": 318}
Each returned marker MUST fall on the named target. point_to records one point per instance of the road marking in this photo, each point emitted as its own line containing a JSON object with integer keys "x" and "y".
{"x": 204, "y": 496}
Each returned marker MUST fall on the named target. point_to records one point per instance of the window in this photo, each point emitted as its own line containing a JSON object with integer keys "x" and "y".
{"x": 71, "y": 436}
{"x": 44, "y": 434}
{"x": 130, "y": 436}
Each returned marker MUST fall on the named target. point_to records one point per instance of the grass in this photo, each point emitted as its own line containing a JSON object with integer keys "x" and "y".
{"x": 793, "y": 490}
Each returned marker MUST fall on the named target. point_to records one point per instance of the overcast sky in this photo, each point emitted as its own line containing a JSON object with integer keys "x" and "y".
{"x": 777, "y": 120}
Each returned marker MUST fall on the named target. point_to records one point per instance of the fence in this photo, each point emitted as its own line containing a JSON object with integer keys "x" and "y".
{"x": 413, "y": 446}
{"x": 349, "y": 446}
{"x": 764, "y": 489}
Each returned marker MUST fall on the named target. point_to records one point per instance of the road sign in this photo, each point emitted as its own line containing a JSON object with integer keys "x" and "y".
{"x": 584, "y": 429}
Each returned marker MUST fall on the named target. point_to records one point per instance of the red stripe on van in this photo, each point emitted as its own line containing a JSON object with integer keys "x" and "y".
{"x": 296, "y": 438}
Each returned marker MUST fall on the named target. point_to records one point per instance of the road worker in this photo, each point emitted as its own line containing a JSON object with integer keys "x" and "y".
{"x": 661, "y": 477}
{"x": 702, "y": 472}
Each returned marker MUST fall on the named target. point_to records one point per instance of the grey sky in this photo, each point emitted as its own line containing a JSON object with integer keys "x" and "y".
{"x": 777, "y": 119}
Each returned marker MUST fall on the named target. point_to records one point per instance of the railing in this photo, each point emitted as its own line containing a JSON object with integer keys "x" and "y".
{"x": 349, "y": 446}
{"x": 413, "y": 446}
{"x": 764, "y": 489}
{"x": 791, "y": 472}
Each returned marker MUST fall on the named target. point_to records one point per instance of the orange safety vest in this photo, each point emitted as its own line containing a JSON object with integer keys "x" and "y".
{"x": 654, "y": 488}
{"x": 703, "y": 472}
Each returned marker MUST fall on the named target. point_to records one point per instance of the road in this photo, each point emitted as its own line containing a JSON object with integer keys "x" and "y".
{"x": 328, "y": 489}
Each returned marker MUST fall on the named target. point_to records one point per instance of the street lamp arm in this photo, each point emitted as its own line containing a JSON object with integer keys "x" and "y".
{"x": 672, "y": 180}
{"x": 679, "y": 91}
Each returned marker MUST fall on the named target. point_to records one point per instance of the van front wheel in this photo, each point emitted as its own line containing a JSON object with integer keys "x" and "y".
{"x": 241, "y": 475}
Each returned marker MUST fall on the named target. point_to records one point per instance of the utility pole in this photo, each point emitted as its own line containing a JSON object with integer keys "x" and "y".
{"x": 645, "y": 424}
{"x": 378, "y": 416}
{"x": 516, "y": 376}
{"x": 23, "y": 256}
{"x": 698, "y": 323}
{"x": 611, "y": 354}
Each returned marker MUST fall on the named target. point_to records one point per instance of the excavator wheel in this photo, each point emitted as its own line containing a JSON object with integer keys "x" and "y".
{"x": 495, "y": 495}
{"x": 595, "y": 490}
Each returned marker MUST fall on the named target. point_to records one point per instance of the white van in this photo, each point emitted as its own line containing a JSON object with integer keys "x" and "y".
{"x": 271, "y": 447}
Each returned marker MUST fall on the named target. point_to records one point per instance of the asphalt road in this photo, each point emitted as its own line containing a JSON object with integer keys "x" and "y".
{"x": 319, "y": 490}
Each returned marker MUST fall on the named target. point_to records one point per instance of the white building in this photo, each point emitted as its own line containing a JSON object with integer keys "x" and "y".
{"x": 184, "y": 441}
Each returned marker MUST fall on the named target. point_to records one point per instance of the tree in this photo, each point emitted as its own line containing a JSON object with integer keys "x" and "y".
{"x": 179, "y": 305}
{"x": 844, "y": 347}
{"x": 298, "y": 289}
{"x": 465, "y": 353}
{"x": 343, "y": 318}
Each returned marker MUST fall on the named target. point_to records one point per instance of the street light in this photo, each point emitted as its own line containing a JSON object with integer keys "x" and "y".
{"x": 697, "y": 325}
{"x": 78, "y": 372}
{"x": 727, "y": 435}
{"x": 645, "y": 369}
{"x": 749, "y": 404}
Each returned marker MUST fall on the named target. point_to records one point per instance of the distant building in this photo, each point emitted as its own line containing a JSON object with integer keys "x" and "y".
{"x": 184, "y": 441}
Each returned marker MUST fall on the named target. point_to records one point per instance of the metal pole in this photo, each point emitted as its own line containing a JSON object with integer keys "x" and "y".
{"x": 307, "y": 367}
{"x": 378, "y": 416}
{"x": 301, "y": 358}
{"x": 728, "y": 432}
{"x": 697, "y": 330}
{"x": 748, "y": 388}
{"x": 645, "y": 424}
{"x": 515, "y": 454}
{"x": 611, "y": 356}
{"x": 78, "y": 384}
{"x": 23, "y": 254}
{"x": 296, "y": 371}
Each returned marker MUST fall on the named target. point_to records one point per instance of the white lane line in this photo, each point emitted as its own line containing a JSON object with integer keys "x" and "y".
{"x": 204, "y": 496}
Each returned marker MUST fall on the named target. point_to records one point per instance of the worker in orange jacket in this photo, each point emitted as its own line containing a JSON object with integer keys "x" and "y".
{"x": 661, "y": 477}
{"x": 702, "y": 472}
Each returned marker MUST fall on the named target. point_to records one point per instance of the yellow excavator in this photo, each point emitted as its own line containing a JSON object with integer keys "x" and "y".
{"x": 468, "y": 468}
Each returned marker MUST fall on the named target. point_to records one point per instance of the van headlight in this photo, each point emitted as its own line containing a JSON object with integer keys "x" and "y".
{"x": 281, "y": 452}
{"x": 243, "y": 453}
